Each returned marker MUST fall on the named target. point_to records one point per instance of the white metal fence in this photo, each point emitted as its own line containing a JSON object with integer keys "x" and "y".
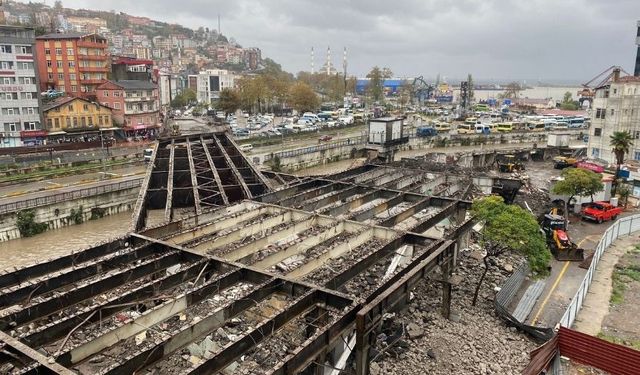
{"x": 622, "y": 227}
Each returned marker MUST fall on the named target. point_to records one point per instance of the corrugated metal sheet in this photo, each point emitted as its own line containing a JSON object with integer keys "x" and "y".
{"x": 541, "y": 357}
{"x": 598, "y": 353}
{"x": 528, "y": 300}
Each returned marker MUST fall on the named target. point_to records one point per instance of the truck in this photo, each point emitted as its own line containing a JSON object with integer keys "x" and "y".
{"x": 426, "y": 131}
{"x": 600, "y": 211}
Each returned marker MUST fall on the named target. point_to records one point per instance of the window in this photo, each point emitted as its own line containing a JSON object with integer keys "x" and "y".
{"x": 69, "y": 51}
{"x": 595, "y": 152}
{"x": 28, "y": 110}
{"x": 7, "y": 80}
{"x": 116, "y": 105}
{"x": 50, "y": 76}
{"x": 75, "y": 122}
{"x": 25, "y": 66}
{"x": 601, "y": 112}
{"x": 90, "y": 120}
{"x": 10, "y": 111}
{"x": 5, "y": 48}
{"x": 49, "y": 123}
{"x": 636, "y": 155}
{"x": 59, "y": 64}
{"x": 597, "y": 132}
{"x": 105, "y": 93}
{"x": 25, "y": 50}
{"x": 74, "y": 88}
{"x": 100, "y": 121}
{"x": 636, "y": 134}
{"x": 72, "y": 64}
{"x": 85, "y": 107}
{"x": 83, "y": 121}
{"x": 611, "y": 112}
{"x": 30, "y": 125}
{"x": 72, "y": 76}
{"x": 615, "y": 91}
{"x": 70, "y": 107}
{"x": 10, "y": 127}
{"x": 61, "y": 88}
{"x": 6, "y": 65}
{"x": 8, "y": 96}
{"x": 49, "y": 63}
{"x": 59, "y": 51}
{"x": 57, "y": 123}
{"x": 116, "y": 94}
{"x": 60, "y": 77}
{"x": 68, "y": 122}
{"x": 26, "y": 80}
{"x": 47, "y": 51}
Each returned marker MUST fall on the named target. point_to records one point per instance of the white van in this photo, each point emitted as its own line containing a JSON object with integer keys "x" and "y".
{"x": 246, "y": 147}
{"x": 311, "y": 117}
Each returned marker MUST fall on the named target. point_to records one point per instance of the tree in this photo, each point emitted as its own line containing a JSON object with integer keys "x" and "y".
{"x": 229, "y": 101}
{"x": 577, "y": 182}
{"x": 568, "y": 103}
{"x": 376, "y": 82}
{"x": 621, "y": 143}
{"x": 187, "y": 96}
{"x": 511, "y": 91}
{"x": 509, "y": 228}
{"x": 303, "y": 98}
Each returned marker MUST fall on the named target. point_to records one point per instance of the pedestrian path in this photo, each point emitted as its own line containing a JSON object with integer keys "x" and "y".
{"x": 596, "y": 304}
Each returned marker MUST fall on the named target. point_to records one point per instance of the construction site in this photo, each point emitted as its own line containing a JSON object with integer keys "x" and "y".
{"x": 229, "y": 269}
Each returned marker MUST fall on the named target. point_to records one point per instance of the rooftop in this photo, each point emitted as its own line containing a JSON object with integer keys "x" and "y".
{"x": 62, "y": 101}
{"x": 72, "y": 35}
{"x": 134, "y": 84}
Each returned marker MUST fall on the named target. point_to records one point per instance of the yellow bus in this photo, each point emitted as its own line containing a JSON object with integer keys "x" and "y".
{"x": 471, "y": 120}
{"x": 466, "y": 128}
{"x": 504, "y": 127}
{"x": 442, "y": 127}
{"x": 536, "y": 126}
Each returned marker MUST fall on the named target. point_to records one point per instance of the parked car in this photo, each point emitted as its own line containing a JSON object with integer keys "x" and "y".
{"x": 600, "y": 211}
{"x": 347, "y": 120}
{"x": 246, "y": 147}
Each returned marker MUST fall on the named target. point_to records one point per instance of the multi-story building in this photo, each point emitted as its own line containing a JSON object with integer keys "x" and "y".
{"x": 252, "y": 58}
{"x": 73, "y": 63}
{"x": 75, "y": 113}
{"x": 127, "y": 68}
{"x": 636, "y": 71}
{"x": 134, "y": 104}
{"x": 20, "y": 115}
{"x": 211, "y": 82}
{"x": 616, "y": 107}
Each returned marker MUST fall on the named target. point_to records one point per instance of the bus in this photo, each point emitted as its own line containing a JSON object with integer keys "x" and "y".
{"x": 536, "y": 126}
{"x": 466, "y": 128}
{"x": 504, "y": 127}
{"x": 576, "y": 122}
{"x": 471, "y": 120}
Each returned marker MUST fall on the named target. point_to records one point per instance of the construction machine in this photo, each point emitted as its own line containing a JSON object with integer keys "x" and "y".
{"x": 561, "y": 162}
{"x": 509, "y": 163}
{"x": 561, "y": 246}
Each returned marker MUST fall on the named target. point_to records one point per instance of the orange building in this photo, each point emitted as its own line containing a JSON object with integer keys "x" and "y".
{"x": 73, "y": 63}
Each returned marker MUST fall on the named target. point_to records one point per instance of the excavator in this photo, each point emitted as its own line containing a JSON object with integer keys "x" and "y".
{"x": 509, "y": 163}
{"x": 558, "y": 239}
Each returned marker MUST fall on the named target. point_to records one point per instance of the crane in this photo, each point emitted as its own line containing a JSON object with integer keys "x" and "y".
{"x": 588, "y": 92}
{"x": 421, "y": 89}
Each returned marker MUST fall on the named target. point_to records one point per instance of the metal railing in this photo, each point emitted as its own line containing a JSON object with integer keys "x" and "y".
{"x": 622, "y": 227}
{"x": 68, "y": 196}
{"x": 307, "y": 150}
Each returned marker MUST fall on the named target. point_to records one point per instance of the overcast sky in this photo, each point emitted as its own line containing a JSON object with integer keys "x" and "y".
{"x": 491, "y": 39}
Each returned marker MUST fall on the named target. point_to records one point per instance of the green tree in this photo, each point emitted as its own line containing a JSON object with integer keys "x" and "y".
{"x": 509, "y": 228}
{"x": 376, "y": 82}
{"x": 229, "y": 101}
{"x": 186, "y": 97}
{"x": 621, "y": 143}
{"x": 303, "y": 98}
{"x": 568, "y": 103}
{"x": 577, "y": 182}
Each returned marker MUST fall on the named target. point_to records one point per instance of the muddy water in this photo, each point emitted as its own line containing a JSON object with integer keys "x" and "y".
{"x": 55, "y": 243}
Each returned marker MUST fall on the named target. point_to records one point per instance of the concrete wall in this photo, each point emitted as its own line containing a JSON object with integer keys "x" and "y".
{"x": 57, "y": 215}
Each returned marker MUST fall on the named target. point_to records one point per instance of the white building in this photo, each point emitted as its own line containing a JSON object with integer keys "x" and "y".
{"x": 211, "y": 82}
{"x": 168, "y": 86}
{"x": 20, "y": 115}
{"x": 616, "y": 107}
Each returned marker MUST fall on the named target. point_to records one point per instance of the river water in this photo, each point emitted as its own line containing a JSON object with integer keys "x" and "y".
{"x": 59, "y": 242}
{"x": 555, "y": 93}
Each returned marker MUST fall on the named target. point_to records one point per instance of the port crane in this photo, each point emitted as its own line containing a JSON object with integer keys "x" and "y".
{"x": 588, "y": 89}
{"x": 421, "y": 89}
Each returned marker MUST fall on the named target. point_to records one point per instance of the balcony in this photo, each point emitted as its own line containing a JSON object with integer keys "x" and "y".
{"x": 94, "y": 69}
{"x": 92, "y": 57}
{"x": 139, "y": 112}
{"x": 87, "y": 44}
{"x": 130, "y": 99}
{"x": 92, "y": 81}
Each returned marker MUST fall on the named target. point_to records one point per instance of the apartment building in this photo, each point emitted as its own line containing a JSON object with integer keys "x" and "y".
{"x": 211, "y": 82}
{"x": 69, "y": 113}
{"x": 134, "y": 104}
{"x": 20, "y": 115}
{"x": 73, "y": 63}
{"x": 616, "y": 107}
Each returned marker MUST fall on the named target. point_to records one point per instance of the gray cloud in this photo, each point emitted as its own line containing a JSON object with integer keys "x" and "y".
{"x": 547, "y": 39}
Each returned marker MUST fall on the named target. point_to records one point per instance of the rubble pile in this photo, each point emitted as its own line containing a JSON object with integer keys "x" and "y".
{"x": 297, "y": 260}
{"x": 475, "y": 341}
{"x": 283, "y": 244}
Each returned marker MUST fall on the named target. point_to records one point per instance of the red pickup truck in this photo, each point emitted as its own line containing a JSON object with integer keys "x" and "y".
{"x": 600, "y": 211}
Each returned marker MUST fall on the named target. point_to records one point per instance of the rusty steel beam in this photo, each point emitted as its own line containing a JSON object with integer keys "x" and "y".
{"x": 265, "y": 329}
{"x": 435, "y": 219}
{"x": 21, "y": 275}
{"x": 12, "y": 296}
{"x": 58, "y": 328}
{"x": 355, "y": 203}
{"x": 194, "y": 179}
{"x": 214, "y": 170}
{"x": 139, "y": 216}
{"x": 168, "y": 209}
{"x": 276, "y": 197}
{"x": 368, "y": 214}
{"x": 371, "y": 314}
{"x": 234, "y": 170}
{"x": 48, "y": 365}
{"x": 313, "y": 205}
{"x": 304, "y": 196}
{"x": 47, "y": 306}
{"x": 262, "y": 180}
{"x": 405, "y": 214}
